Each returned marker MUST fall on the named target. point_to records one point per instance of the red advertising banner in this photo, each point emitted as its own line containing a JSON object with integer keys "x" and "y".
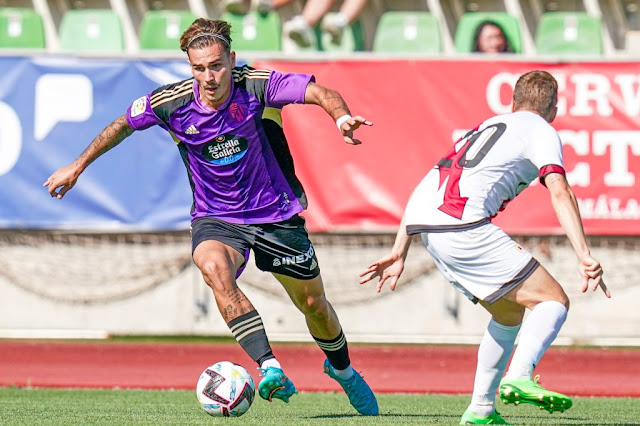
{"x": 420, "y": 107}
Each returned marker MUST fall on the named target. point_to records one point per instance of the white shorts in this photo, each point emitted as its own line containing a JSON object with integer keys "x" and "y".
{"x": 483, "y": 262}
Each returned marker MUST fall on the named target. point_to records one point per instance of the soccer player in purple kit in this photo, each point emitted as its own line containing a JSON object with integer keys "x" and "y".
{"x": 227, "y": 124}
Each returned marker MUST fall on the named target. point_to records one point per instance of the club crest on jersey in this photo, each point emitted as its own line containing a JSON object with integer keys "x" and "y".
{"x": 237, "y": 112}
{"x": 225, "y": 149}
{"x": 138, "y": 106}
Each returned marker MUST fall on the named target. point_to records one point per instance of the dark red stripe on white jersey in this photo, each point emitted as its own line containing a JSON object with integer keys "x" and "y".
{"x": 547, "y": 170}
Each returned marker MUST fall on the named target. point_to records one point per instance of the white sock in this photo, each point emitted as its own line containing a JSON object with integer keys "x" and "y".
{"x": 493, "y": 354}
{"x": 538, "y": 331}
{"x": 271, "y": 362}
{"x": 344, "y": 374}
{"x": 300, "y": 22}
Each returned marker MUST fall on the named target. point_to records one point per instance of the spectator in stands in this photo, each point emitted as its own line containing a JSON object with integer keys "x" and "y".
{"x": 451, "y": 210}
{"x": 227, "y": 125}
{"x": 241, "y": 7}
{"x": 300, "y": 27}
{"x": 490, "y": 38}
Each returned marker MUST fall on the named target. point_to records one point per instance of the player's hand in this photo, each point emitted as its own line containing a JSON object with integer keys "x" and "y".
{"x": 60, "y": 182}
{"x": 388, "y": 267}
{"x": 349, "y": 126}
{"x": 590, "y": 269}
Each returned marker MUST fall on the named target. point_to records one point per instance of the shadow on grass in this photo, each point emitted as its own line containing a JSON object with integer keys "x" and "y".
{"x": 574, "y": 420}
{"x": 453, "y": 419}
{"x": 415, "y": 416}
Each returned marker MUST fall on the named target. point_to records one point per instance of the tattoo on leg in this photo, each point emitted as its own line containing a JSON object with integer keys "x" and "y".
{"x": 239, "y": 305}
{"x": 229, "y": 313}
{"x": 246, "y": 310}
{"x": 236, "y": 296}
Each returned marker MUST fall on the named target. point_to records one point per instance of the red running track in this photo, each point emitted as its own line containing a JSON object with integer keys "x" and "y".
{"x": 399, "y": 368}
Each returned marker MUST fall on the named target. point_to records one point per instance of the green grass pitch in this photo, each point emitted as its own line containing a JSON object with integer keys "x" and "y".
{"x": 20, "y": 406}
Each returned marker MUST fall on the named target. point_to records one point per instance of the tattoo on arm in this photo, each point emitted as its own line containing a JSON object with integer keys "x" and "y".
{"x": 553, "y": 177}
{"x": 110, "y": 136}
{"x": 332, "y": 103}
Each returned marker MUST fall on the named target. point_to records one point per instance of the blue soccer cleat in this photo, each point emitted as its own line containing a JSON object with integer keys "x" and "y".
{"x": 360, "y": 394}
{"x": 275, "y": 385}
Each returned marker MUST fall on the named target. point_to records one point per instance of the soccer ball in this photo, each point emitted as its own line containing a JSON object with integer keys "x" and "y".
{"x": 225, "y": 389}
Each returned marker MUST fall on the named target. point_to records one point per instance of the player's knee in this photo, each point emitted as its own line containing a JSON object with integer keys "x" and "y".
{"x": 215, "y": 273}
{"x": 561, "y": 297}
{"x": 314, "y": 306}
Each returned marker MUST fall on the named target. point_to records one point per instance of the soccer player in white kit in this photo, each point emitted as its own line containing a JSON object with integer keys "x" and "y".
{"x": 452, "y": 209}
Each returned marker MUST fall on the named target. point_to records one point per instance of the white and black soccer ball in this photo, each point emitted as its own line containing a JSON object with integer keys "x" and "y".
{"x": 225, "y": 389}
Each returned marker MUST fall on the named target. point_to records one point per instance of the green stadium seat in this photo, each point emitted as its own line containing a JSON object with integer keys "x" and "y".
{"x": 255, "y": 31}
{"x": 352, "y": 39}
{"x": 21, "y": 28}
{"x": 574, "y": 33}
{"x": 399, "y": 31}
{"x": 91, "y": 30}
{"x": 162, "y": 29}
{"x": 469, "y": 22}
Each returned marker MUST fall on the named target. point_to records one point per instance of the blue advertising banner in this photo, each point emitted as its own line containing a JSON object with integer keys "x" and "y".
{"x": 50, "y": 110}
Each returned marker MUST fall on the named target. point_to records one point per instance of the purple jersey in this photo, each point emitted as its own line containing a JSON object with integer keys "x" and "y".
{"x": 237, "y": 158}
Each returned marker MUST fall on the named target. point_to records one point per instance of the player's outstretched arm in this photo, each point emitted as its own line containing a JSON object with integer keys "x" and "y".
{"x": 392, "y": 265}
{"x": 337, "y": 108}
{"x": 63, "y": 179}
{"x": 566, "y": 208}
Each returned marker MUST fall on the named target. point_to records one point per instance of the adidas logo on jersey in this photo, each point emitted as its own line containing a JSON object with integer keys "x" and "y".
{"x": 192, "y": 130}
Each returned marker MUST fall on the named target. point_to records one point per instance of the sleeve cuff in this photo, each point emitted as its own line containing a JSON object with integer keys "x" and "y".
{"x": 547, "y": 170}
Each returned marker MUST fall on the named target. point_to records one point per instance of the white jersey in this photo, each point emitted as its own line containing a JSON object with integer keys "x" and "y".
{"x": 486, "y": 169}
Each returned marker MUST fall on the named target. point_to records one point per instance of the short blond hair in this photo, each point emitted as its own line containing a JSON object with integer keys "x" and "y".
{"x": 536, "y": 91}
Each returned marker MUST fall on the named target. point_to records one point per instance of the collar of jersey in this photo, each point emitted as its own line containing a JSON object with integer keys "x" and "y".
{"x": 205, "y": 108}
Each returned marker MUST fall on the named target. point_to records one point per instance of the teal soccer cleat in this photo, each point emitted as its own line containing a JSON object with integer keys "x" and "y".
{"x": 360, "y": 394}
{"x": 275, "y": 385}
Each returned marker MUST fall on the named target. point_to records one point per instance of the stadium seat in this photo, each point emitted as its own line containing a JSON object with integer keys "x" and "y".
{"x": 21, "y": 28}
{"x": 162, "y": 29}
{"x": 469, "y": 22}
{"x": 574, "y": 33}
{"x": 399, "y": 31}
{"x": 91, "y": 30}
{"x": 352, "y": 38}
{"x": 255, "y": 31}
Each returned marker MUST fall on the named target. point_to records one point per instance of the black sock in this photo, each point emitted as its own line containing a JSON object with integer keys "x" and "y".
{"x": 248, "y": 330}
{"x": 336, "y": 350}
